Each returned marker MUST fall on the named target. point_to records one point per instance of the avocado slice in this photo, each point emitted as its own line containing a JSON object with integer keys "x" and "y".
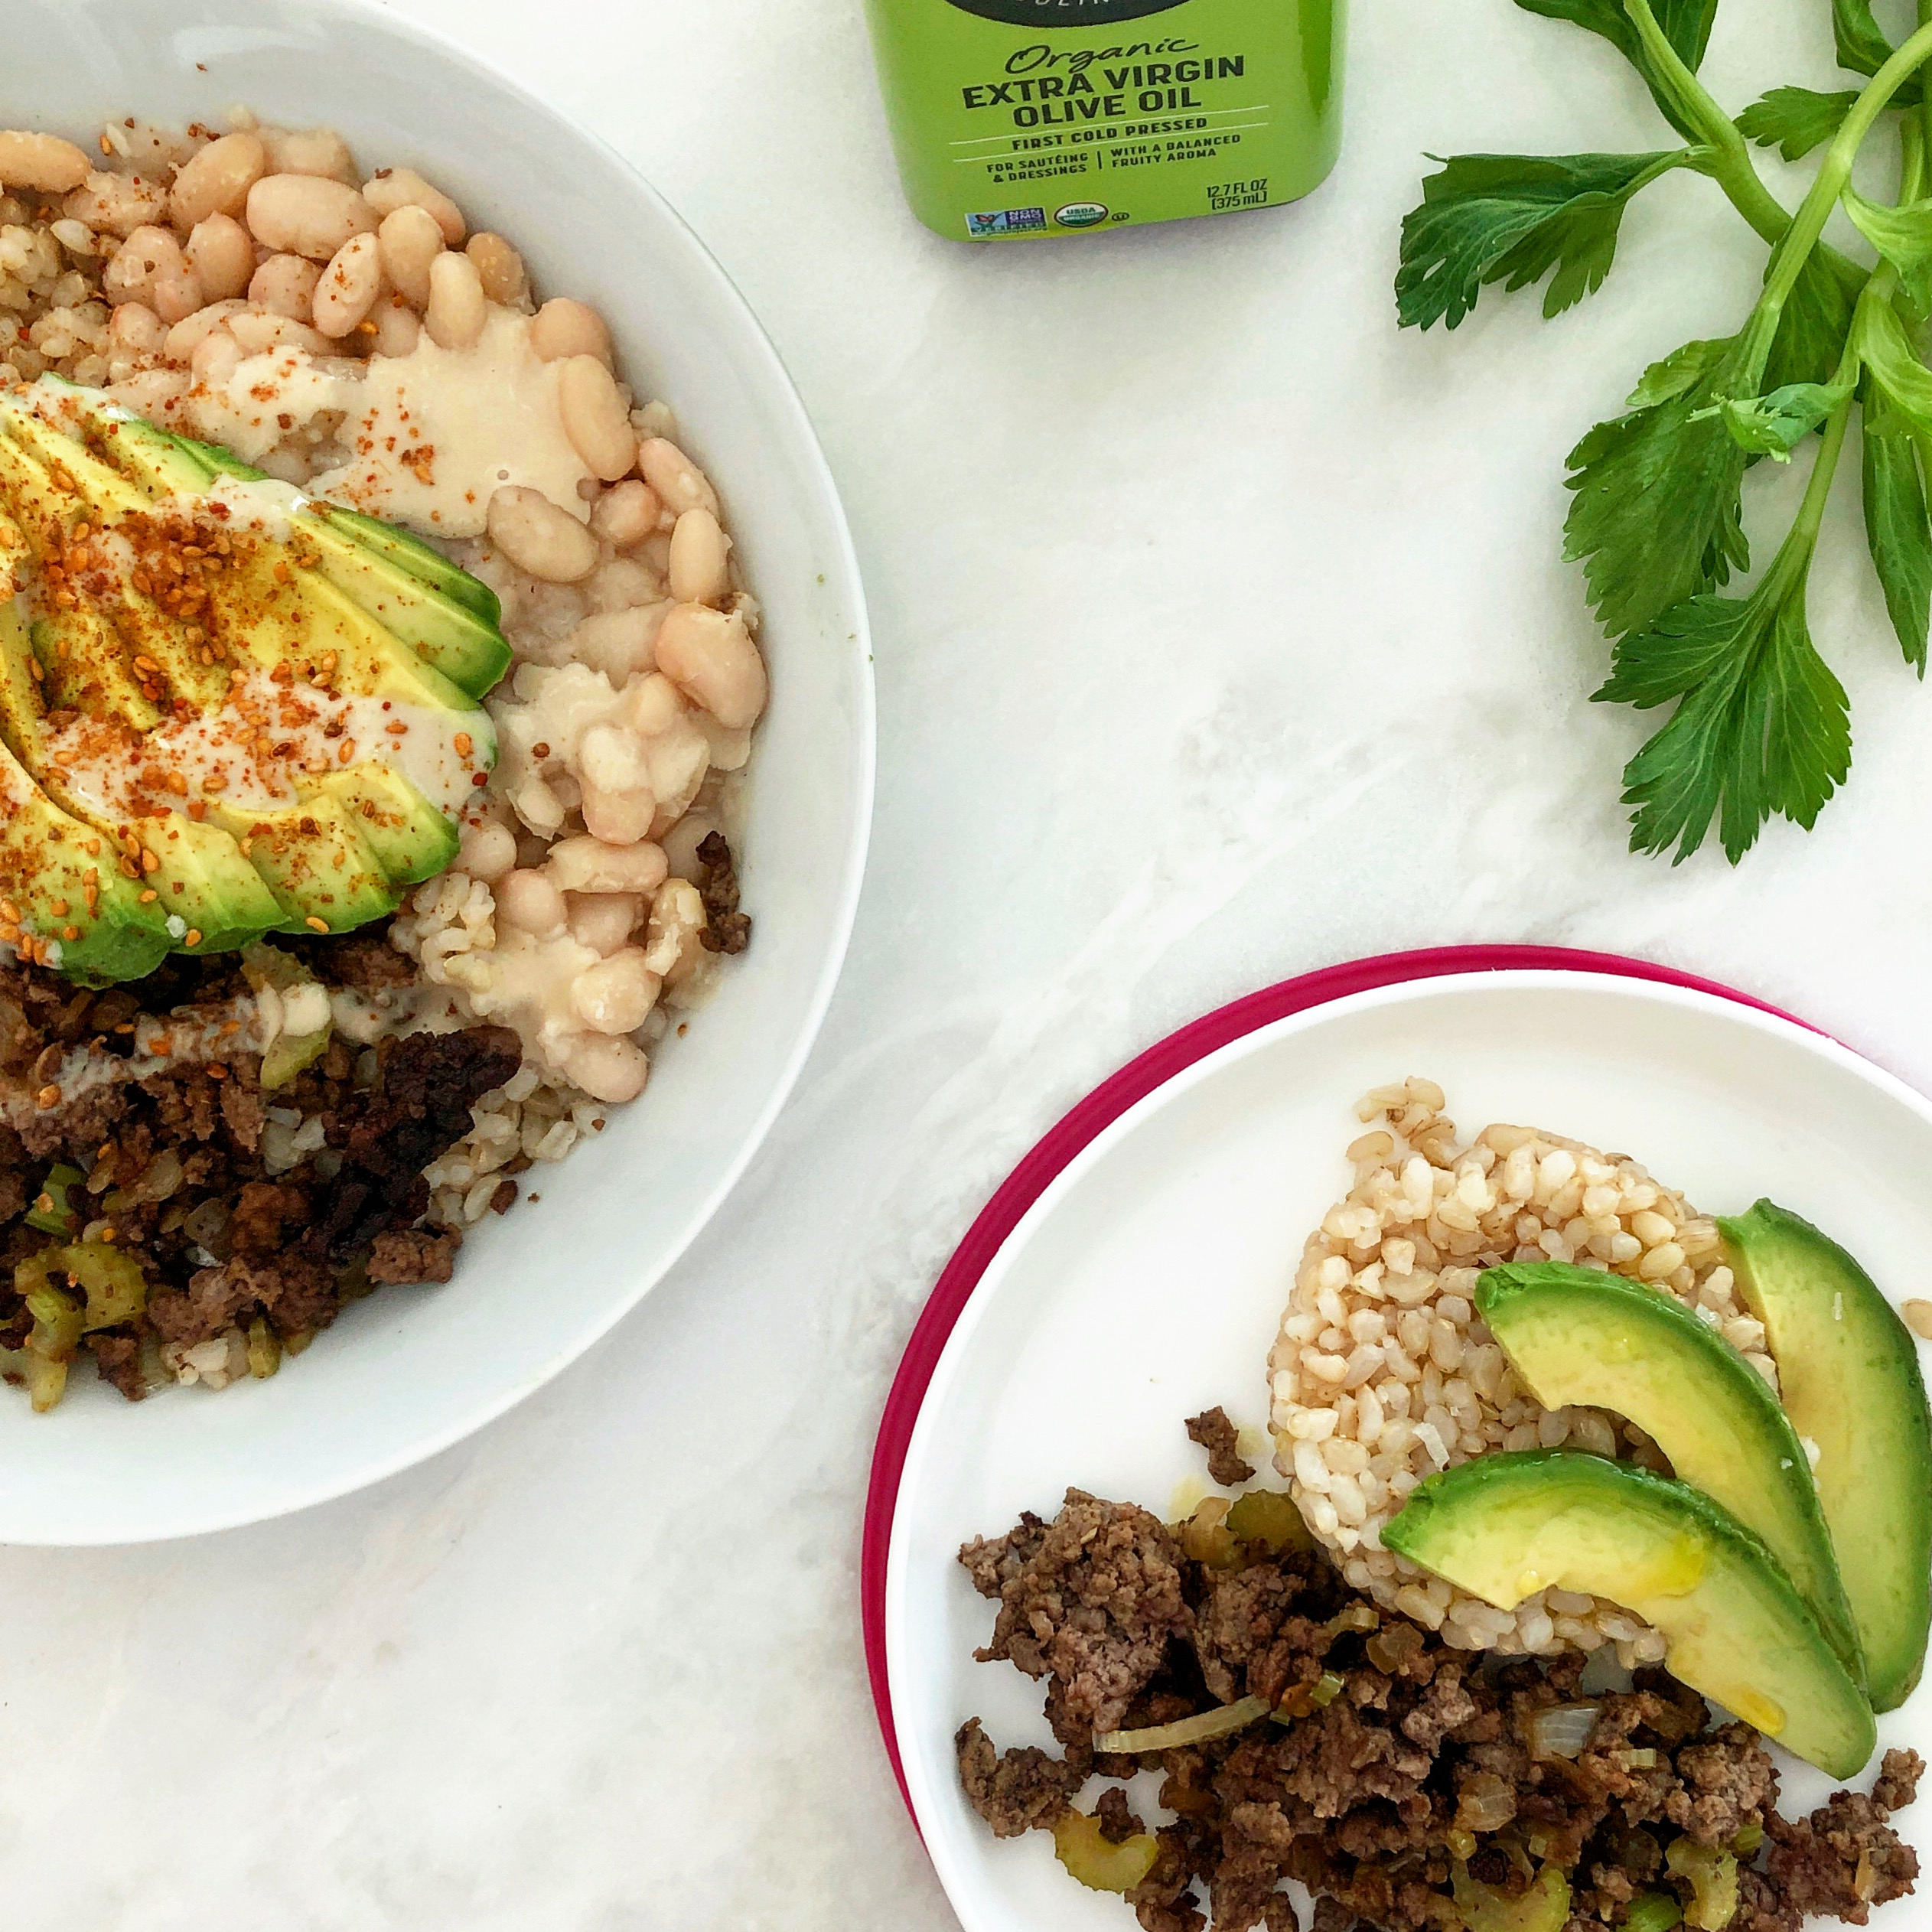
{"x": 202, "y": 878}
{"x": 442, "y": 614}
{"x": 412, "y": 840}
{"x": 1578, "y": 1335}
{"x": 312, "y": 856}
{"x": 49, "y": 860}
{"x": 1849, "y": 1371}
{"x": 1504, "y": 1527}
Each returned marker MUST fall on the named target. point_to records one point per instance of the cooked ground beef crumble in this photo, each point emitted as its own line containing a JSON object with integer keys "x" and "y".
{"x": 1398, "y": 1768}
{"x": 177, "y": 1176}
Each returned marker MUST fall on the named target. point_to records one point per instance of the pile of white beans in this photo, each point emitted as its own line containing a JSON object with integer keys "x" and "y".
{"x": 638, "y": 677}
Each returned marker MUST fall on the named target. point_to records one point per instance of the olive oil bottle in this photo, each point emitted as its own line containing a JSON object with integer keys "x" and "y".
{"x": 1017, "y": 120}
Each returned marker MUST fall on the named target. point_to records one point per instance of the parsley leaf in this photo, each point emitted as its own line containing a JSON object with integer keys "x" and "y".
{"x": 1655, "y": 517}
{"x": 1761, "y": 725}
{"x": 1902, "y": 236}
{"x": 1686, "y": 24}
{"x": 1898, "y": 531}
{"x": 1897, "y": 398}
{"x": 1795, "y": 120}
{"x": 1811, "y": 331}
{"x": 1510, "y": 218}
{"x": 1863, "y": 46}
{"x": 1774, "y": 426}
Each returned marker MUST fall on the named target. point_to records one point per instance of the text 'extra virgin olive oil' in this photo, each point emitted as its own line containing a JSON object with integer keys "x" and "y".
{"x": 1021, "y": 119}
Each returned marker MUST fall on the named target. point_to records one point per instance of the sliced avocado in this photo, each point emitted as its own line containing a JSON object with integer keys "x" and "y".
{"x": 202, "y": 878}
{"x": 49, "y": 860}
{"x": 411, "y": 838}
{"x": 1579, "y": 1336}
{"x": 313, "y": 857}
{"x": 457, "y": 635}
{"x": 1504, "y": 1527}
{"x": 1849, "y": 1373}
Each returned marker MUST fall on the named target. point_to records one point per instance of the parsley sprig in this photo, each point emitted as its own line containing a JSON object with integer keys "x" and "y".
{"x": 1757, "y": 724}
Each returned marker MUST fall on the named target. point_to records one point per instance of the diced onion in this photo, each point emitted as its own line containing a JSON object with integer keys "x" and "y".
{"x": 1563, "y": 1732}
{"x": 1198, "y": 1730}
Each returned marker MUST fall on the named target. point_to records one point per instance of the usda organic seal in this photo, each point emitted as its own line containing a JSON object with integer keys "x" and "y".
{"x": 1081, "y": 214}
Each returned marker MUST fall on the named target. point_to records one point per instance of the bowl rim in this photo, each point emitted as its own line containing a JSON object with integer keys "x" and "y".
{"x": 842, "y": 570}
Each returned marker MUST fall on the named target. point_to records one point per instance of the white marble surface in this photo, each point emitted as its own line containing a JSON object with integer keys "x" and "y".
{"x": 1220, "y": 633}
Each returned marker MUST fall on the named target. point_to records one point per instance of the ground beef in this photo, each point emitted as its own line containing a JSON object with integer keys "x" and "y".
{"x": 222, "y": 1242}
{"x": 726, "y": 929}
{"x": 1396, "y": 1758}
{"x": 412, "y": 1255}
{"x": 1014, "y": 1790}
{"x": 1215, "y": 1433}
{"x": 1093, "y": 1604}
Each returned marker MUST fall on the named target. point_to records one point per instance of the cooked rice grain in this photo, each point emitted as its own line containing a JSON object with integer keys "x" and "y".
{"x": 1383, "y": 1373}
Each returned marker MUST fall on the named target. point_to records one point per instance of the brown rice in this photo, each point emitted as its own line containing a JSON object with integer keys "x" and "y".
{"x": 1383, "y": 1373}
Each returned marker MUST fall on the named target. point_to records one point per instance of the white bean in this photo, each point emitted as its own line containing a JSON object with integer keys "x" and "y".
{"x": 285, "y": 285}
{"x": 135, "y": 326}
{"x": 620, "y": 644}
{"x": 222, "y": 257}
{"x": 391, "y": 188}
{"x": 186, "y": 336}
{"x": 501, "y": 267}
{"x": 149, "y": 267}
{"x": 616, "y": 994}
{"x": 563, "y": 328}
{"x": 488, "y": 851}
{"x": 672, "y": 947}
{"x": 675, "y": 478}
{"x": 310, "y": 151}
{"x": 699, "y": 552}
{"x": 215, "y": 358}
{"x": 626, "y": 513}
{"x": 306, "y": 214}
{"x": 457, "y": 311}
{"x": 540, "y": 539}
{"x": 116, "y": 204}
{"x": 411, "y": 241}
{"x": 612, "y": 1070}
{"x": 584, "y": 865}
{"x": 397, "y": 329}
{"x": 349, "y": 286}
{"x": 596, "y": 418}
{"x": 603, "y": 921}
{"x": 216, "y": 181}
{"x": 258, "y": 333}
{"x": 43, "y": 162}
{"x": 709, "y": 655}
{"x": 529, "y": 902}
{"x": 621, "y": 585}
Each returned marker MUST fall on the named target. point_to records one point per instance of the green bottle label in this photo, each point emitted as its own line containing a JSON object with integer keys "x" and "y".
{"x": 1022, "y": 119}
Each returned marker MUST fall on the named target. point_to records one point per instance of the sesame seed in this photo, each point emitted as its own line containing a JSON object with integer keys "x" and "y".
{"x": 193, "y": 937}
{"x": 315, "y": 925}
{"x": 48, "y": 1096}
{"x": 465, "y": 744}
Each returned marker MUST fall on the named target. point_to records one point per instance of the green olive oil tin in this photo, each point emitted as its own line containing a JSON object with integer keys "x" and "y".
{"x": 1018, "y": 120}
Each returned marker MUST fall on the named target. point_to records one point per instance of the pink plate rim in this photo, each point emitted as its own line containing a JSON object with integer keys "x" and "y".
{"x": 1080, "y": 1125}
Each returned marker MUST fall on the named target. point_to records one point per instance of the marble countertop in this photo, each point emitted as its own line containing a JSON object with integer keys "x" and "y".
{"x": 1221, "y": 633}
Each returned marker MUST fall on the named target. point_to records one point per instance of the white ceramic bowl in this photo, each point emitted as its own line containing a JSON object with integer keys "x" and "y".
{"x": 410, "y": 1370}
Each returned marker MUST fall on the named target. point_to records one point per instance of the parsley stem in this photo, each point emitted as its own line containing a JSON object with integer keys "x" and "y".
{"x": 1925, "y": 81}
{"x": 1727, "y": 158}
{"x": 1788, "y": 258}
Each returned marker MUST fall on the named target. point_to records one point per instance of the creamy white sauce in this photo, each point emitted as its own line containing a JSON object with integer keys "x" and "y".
{"x": 436, "y": 432}
{"x": 106, "y": 767}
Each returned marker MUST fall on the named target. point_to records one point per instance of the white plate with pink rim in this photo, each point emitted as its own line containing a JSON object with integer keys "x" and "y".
{"x": 1144, "y": 1281}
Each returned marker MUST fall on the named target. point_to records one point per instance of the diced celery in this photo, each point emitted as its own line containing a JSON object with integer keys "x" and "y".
{"x": 264, "y": 1350}
{"x": 1544, "y": 1907}
{"x": 116, "y": 1291}
{"x": 1083, "y": 1849}
{"x": 290, "y": 1054}
{"x": 1269, "y": 1517}
{"x": 1712, "y": 1877}
{"x": 50, "y": 1213}
{"x": 1653, "y": 1911}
